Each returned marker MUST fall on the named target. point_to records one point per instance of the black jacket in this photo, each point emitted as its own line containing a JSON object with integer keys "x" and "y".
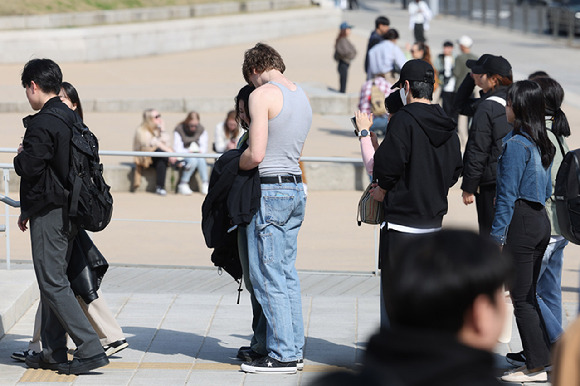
{"x": 488, "y": 127}
{"x": 417, "y": 163}
{"x": 233, "y": 199}
{"x": 411, "y": 357}
{"x": 86, "y": 267}
{"x": 43, "y": 164}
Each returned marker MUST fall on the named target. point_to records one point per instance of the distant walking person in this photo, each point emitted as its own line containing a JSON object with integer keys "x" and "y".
{"x": 43, "y": 166}
{"x": 382, "y": 24}
{"x": 521, "y": 223}
{"x": 419, "y": 17}
{"x": 280, "y": 121}
{"x": 344, "y": 53}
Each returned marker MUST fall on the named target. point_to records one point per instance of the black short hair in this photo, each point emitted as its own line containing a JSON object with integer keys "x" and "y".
{"x": 382, "y": 20}
{"x": 432, "y": 281}
{"x": 421, "y": 90}
{"x": 393, "y": 102}
{"x": 391, "y": 34}
{"x": 45, "y": 73}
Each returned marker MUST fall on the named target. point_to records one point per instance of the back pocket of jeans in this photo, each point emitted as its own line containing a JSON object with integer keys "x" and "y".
{"x": 278, "y": 209}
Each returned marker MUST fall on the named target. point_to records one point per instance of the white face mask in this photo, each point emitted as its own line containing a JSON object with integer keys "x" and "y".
{"x": 403, "y": 95}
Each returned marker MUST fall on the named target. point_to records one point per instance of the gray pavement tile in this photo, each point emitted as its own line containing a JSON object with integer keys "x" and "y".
{"x": 107, "y": 377}
{"x": 272, "y": 379}
{"x": 212, "y": 378}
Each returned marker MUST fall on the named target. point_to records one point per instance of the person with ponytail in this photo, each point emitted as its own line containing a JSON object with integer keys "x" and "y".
{"x": 521, "y": 224}
{"x": 549, "y": 289}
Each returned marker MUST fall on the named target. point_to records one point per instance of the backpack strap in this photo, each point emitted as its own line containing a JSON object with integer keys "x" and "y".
{"x": 560, "y": 146}
{"x": 72, "y": 209}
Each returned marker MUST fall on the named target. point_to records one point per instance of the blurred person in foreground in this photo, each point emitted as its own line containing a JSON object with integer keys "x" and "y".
{"x": 446, "y": 307}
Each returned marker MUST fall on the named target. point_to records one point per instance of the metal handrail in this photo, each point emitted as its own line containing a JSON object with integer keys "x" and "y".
{"x": 6, "y": 167}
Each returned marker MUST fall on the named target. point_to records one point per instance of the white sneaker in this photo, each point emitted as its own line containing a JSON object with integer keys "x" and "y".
{"x": 184, "y": 189}
{"x": 161, "y": 191}
{"x": 522, "y": 374}
{"x": 204, "y": 188}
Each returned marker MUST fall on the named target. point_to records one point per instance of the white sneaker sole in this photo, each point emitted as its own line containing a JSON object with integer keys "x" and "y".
{"x": 113, "y": 350}
{"x": 247, "y": 368}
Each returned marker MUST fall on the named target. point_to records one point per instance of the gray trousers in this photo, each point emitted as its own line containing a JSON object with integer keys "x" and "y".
{"x": 61, "y": 313}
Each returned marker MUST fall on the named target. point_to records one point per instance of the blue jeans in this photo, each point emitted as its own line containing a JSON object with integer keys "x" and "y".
{"x": 272, "y": 245}
{"x": 549, "y": 289}
{"x": 258, "y": 342}
{"x": 190, "y": 165}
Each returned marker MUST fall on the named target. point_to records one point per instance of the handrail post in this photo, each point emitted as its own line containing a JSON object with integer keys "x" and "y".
{"x": 6, "y": 174}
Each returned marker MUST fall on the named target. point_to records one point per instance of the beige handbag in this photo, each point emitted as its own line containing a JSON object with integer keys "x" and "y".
{"x": 370, "y": 211}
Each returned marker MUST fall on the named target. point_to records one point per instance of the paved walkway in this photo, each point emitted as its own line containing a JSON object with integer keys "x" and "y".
{"x": 180, "y": 317}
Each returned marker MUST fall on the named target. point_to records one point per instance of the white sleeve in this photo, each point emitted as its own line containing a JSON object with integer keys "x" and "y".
{"x": 178, "y": 143}
{"x": 220, "y": 138}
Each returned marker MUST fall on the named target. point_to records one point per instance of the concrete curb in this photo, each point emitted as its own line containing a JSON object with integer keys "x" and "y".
{"x": 161, "y": 37}
{"x": 326, "y": 176}
{"x": 138, "y": 15}
{"x": 19, "y": 291}
{"x": 322, "y": 100}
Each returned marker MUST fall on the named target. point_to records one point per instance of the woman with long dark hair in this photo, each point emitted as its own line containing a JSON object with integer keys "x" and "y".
{"x": 549, "y": 289}
{"x": 521, "y": 223}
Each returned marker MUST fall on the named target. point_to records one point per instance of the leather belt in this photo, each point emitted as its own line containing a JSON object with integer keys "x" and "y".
{"x": 280, "y": 179}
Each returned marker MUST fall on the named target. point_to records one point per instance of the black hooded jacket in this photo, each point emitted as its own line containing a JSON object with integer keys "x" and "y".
{"x": 417, "y": 163}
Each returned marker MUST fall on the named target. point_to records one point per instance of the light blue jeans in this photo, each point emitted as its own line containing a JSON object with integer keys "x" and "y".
{"x": 272, "y": 245}
{"x": 191, "y": 164}
{"x": 549, "y": 289}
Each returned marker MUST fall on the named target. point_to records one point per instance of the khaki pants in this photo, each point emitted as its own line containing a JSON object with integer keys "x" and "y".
{"x": 99, "y": 315}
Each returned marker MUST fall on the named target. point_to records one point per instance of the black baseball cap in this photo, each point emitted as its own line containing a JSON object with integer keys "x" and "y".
{"x": 417, "y": 70}
{"x": 490, "y": 64}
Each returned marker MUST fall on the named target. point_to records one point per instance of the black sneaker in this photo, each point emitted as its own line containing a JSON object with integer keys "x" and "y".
{"x": 83, "y": 365}
{"x": 115, "y": 347}
{"x": 246, "y": 354}
{"x": 36, "y": 361}
{"x": 21, "y": 355}
{"x": 516, "y": 358}
{"x": 270, "y": 365}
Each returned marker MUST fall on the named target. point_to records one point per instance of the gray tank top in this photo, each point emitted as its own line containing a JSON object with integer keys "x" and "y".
{"x": 286, "y": 134}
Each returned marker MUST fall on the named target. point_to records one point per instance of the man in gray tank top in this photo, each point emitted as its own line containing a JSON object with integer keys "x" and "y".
{"x": 280, "y": 120}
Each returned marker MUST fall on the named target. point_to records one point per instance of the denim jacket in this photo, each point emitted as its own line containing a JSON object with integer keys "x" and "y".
{"x": 520, "y": 175}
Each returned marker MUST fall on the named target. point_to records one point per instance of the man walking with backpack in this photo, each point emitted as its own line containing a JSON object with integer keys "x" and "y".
{"x": 43, "y": 164}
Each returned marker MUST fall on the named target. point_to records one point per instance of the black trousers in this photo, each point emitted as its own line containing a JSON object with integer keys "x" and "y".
{"x": 160, "y": 165}
{"x": 447, "y": 98}
{"x": 484, "y": 202}
{"x": 390, "y": 244}
{"x": 527, "y": 239}
{"x": 342, "y": 74}
{"x": 61, "y": 312}
{"x": 419, "y": 32}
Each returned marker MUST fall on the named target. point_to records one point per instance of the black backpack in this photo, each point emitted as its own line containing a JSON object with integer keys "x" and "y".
{"x": 90, "y": 201}
{"x": 567, "y": 193}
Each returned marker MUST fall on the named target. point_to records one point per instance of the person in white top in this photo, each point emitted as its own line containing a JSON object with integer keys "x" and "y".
{"x": 191, "y": 137}
{"x": 419, "y": 17}
{"x": 227, "y": 134}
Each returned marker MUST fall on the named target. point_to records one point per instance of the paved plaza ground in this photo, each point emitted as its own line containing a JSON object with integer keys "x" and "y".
{"x": 180, "y": 317}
